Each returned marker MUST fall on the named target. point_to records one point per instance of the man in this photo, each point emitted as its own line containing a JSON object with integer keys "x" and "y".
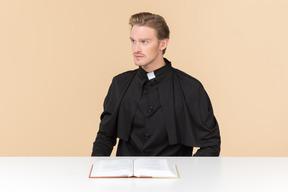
{"x": 156, "y": 110}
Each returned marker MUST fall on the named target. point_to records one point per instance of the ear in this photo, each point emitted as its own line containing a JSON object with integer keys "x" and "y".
{"x": 163, "y": 44}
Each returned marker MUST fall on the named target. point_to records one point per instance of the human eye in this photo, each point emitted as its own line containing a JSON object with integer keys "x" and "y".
{"x": 144, "y": 42}
{"x": 133, "y": 41}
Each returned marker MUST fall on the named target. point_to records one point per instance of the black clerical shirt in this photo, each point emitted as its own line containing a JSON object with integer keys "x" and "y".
{"x": 148, "y": 133}
{"x": 167, "y": 115}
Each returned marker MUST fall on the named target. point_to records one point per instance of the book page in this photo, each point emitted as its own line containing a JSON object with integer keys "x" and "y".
{"x": 154, "y": 168}
{"x": 112, "y": 168}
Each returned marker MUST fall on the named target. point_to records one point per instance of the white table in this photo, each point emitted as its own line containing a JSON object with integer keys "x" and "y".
{"x": 68, "y": 174}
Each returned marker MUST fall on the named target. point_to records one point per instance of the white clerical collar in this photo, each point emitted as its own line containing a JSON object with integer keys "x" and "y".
{"x": 151, "y": 75}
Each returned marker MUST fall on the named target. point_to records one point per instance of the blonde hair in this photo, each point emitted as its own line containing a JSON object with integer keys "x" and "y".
{"x": 154, "y": 21}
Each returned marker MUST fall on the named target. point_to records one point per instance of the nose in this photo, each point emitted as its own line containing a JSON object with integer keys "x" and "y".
{"x": 136, "y": 47}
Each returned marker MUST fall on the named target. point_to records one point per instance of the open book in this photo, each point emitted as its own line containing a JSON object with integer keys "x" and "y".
{"x": 142, "y": 167}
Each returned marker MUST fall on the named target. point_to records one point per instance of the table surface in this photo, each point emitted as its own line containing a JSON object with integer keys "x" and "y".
{"x": 196, "y": 174}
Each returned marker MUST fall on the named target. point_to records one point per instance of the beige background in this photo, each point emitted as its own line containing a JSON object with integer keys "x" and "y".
{"x": 58, "y": 57}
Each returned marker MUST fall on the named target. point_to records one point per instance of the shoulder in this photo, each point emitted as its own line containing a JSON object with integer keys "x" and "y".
{"x": 191, "y": 87}
{"x": 183, "y": 77}
{"x": 125, "y": 74}
{"x": 186, "y": 79}
{"x": 124, "y": 78}
{"x": 120, "y": 83}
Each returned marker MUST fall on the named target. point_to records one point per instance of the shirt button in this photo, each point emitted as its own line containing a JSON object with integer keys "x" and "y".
{"x": 150, "y": 109}
{"x": 146, "y": 136}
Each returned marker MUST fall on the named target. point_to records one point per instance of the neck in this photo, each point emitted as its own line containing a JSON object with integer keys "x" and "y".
{"x": 157, "y": 64}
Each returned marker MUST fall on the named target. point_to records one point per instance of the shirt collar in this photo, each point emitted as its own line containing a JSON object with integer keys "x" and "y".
{"x": 159, "y": 74}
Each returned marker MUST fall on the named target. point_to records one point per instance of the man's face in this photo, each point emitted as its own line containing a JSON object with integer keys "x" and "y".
{"x": 146, "y": 47}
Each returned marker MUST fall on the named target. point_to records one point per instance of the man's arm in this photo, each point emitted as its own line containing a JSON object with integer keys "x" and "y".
{"x": 107, "y": 134}
{"x": 212, "y": 151}
{"x": 209, "y": 132}
{"x": 103, "y": 145}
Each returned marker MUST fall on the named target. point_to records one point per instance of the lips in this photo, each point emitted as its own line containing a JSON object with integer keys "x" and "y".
{"x": 138, "y": 56}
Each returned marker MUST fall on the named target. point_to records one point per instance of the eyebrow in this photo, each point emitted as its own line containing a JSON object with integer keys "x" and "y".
{"x": 141, "y": 39}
